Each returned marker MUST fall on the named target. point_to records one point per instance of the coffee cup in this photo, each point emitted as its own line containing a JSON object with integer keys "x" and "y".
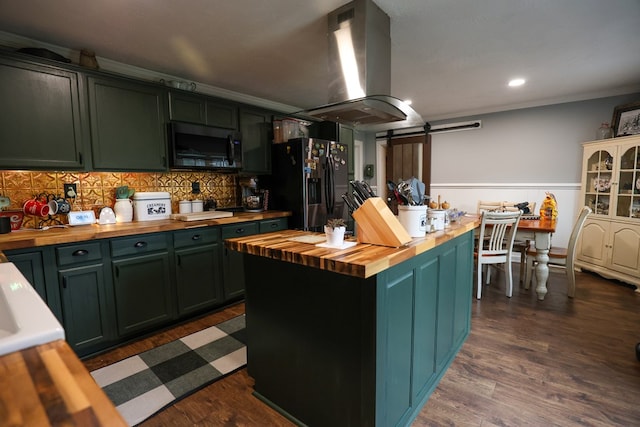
{"x": 63, "y": 206}
{"x": 53, "y": 207}
{"x": 36, "y": 207}
{"x": 5, "y": 225}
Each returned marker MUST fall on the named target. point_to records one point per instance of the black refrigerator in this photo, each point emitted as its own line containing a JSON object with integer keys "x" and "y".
{"x": 308, "y": 178}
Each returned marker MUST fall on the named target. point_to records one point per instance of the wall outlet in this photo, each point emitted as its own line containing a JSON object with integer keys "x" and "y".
{"x": 70, "y": 191}
{"x": 195, "y": 187}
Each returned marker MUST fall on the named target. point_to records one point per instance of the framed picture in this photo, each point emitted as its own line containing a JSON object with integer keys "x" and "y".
{"x": 626, "y": 119}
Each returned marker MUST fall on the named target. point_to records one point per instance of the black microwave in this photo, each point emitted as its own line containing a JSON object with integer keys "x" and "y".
{"x": 194, "y": 146}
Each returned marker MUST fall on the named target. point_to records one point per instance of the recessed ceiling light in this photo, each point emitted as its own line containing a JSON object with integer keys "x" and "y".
{"x": 516, "y": 82}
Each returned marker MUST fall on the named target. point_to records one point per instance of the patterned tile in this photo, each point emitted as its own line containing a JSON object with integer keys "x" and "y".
{"x": 17, "y": 179}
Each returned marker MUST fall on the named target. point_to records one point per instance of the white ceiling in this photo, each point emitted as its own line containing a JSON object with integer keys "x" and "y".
{"x": 451, "y": 57}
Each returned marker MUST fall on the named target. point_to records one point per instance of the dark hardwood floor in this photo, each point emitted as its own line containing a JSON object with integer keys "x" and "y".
{"x": 557, "y": 362}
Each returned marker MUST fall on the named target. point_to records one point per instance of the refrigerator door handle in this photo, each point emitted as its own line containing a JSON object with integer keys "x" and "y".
{"x": 329, "y": 185}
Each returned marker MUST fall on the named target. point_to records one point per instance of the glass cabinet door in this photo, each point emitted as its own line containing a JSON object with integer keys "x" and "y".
{"x": 628, "y": 197}
{"x": 598, "y": 185}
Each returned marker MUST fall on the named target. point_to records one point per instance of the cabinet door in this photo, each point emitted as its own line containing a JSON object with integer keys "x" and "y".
{"x": 40, "y": 117}
{"x": 256, "y": 129}
{"x": 594, "y": 241}
{"x": 187, "y": 108}
{"x": 127, "y": 125}
{"x": 84, "y": 307}
{"x": 142, "y": 289}
{"x": 625, "y": 248}
{"x": 628, "y": 188}
{"x": 199, "y": 278}
{"x": 31, "y": 265}
{"x": 202, "y": 110}
{"x": 233, "y": 265}
{"x": 597, "y": 178}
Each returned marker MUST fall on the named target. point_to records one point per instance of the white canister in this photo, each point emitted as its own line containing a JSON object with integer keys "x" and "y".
{"x": 184, "y": 206}
{"x": 438, "y": 216}
{"x": 413, "y": 219}
{"x": 197, "y": 206}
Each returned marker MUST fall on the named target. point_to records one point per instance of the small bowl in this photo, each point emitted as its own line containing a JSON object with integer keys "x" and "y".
{"x": 16, "y": 218}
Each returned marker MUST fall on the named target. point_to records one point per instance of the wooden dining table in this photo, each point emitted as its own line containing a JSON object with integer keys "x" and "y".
{"x": 538, "y": 231}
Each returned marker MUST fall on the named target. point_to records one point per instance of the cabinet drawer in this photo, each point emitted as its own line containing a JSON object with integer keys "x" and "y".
{"x": 138, "y": 245}
{"x": 239, "y": 230}
{"x": 273, "y": 225}
{"x": 76, "y": 254}
{"x": 195, "y": 237}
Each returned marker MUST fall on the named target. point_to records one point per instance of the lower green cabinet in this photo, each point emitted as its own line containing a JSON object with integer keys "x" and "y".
{"x": 84, "y": 296}
{"x": 85, "y": 311}
{"x": 233, "y": 261}
{"x": 142, "y": 284}
{"x": 110, "y": 290}
{"x": 31, "y": 265}
{"x": 198, "y": 269}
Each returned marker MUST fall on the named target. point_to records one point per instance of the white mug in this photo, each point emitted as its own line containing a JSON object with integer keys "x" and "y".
{"x": 184, "y": 206}
{"x": 197, "y": 206}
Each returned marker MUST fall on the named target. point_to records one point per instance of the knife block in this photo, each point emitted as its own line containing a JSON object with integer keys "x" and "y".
{"x": 378, "y": 225}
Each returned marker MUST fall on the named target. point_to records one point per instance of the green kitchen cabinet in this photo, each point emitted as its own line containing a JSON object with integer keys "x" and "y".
{"x": 85, "y": 296}
{"x": 198, "y": 264}
{"x": 31, "y": 263}
{"x": 142, "y": 283}
{"x": 256, "y": 129}
{"x": 202, "y": 110}
{"x": 232, "y": 261}
{"x": 381, "y": 352}
{"x": 42, "y": 119}
{"x": 269, "y": 225}
{"x": 128, "y": 122}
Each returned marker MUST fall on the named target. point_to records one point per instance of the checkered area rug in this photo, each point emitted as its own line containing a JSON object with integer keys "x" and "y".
{"x": 142, "y": 385}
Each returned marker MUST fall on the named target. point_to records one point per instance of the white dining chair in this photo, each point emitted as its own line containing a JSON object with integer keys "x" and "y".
{"x": 560, "y": 256}
{"x": 495, "y": 245}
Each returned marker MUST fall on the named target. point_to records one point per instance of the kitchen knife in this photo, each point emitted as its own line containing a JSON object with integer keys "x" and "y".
{"x": 369, "y": 189}
{"x": 349, "y": 202}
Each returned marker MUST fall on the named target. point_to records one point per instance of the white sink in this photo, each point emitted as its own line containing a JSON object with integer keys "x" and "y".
{"x": 25, "y": 319}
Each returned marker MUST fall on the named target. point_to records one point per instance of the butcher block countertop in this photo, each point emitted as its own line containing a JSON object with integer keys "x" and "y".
{"x": 28, "y": 238}
{"x": 362, "y": 260}
{"x": 48, "y": 385}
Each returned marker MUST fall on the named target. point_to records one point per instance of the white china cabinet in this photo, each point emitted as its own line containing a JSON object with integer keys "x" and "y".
{"x": 610, "y": 241}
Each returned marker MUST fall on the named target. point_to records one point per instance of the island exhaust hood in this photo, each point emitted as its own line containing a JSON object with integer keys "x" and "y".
{"x": 360, "y": 72}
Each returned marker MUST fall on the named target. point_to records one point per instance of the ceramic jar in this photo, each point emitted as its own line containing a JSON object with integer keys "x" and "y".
{"x": 124, "y": 210}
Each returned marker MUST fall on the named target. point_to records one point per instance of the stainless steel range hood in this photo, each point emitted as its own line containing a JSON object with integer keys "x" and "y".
{"x": 360, "y": 71}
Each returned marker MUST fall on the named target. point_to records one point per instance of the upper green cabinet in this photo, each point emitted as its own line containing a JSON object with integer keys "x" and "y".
{"x": 203, "y": 110}
{"x": 256, "y": 129}
{"x": 40, "y": 117}
{"x": 127, "y": 125}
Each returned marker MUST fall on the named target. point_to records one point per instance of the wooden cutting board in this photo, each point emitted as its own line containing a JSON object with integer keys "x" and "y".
{"x": 198, "y": 216}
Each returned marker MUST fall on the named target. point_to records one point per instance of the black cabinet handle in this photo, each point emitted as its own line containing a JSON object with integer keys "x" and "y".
{"x": 80, "y": 252}
{"x": 64, "y": 282}
{"x": 140, "y": 245}
{"x": 274, "y": 225}
{"x": 239, "y": 230}
{"x": 179, "y": 261}
{"x": 195, "y": 237}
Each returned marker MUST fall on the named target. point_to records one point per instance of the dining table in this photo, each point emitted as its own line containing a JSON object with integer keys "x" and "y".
{"x": 538, "y": 231}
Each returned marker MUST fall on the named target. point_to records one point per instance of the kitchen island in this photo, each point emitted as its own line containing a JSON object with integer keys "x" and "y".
{"x": 358, "y": 336}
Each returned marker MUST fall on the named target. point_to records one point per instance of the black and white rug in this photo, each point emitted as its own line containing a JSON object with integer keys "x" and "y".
{"x": 142, "y": 385}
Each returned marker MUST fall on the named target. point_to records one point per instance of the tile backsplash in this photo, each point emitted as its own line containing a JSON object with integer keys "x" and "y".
{"x": 98, "y": 188}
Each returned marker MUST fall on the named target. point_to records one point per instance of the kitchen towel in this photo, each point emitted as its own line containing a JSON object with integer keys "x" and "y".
{"x": 142, "y": 385}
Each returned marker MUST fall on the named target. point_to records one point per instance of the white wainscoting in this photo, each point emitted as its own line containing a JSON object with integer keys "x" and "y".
{"x": 465, "y": 196}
